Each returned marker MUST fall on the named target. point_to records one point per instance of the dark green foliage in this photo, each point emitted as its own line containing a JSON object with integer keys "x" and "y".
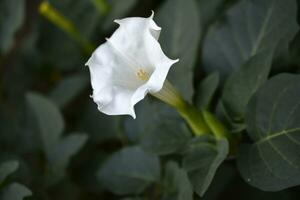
{"x": 12, "y": 191}
{"x": 272, "y": 162}
{"x": 238, "y": 60}
{"x": 202, "y": 159}
{"x": 161, "y": 137}
{"x": 178, "y": 186}
{"x": 67, "y": 89}
{"x": 15, "y": 191}
{"x": 7, "y": 168}
{"x": 11, "y": 19}
{"x": 129, "y": 171}
{"x": 206, "y": 90}
{"x": 243, "y": 83}
{"x": 250, "y": 27}
{"x": 180, "y": 38}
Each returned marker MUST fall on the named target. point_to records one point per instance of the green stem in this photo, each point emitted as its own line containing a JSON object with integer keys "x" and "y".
{"x": 194, "y": 119}
{"x": 54, "y": 16}
{"x": 170, "y": 95}
{"x": 220, "y": 131}
{"x": 216, "y": 126}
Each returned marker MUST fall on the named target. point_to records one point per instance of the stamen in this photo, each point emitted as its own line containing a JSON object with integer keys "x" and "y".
{"x": 142, "y": 74}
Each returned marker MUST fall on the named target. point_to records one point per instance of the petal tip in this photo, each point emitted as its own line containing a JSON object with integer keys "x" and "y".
{"x": 87, "y": 63}
{"x": 132, "y": 113}
{"x": 133, "y": 116}
{"x": 174, "y": 61}
{"x": 152, "y": 14}
{"x": 117, "y": 21}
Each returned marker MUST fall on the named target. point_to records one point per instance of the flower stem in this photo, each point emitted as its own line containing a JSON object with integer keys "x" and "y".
{"x": 192, "y": 116}
{"x": 194, "y": 119}
{"x": 216, "y": 126}
{"x": 220, "y": 131}
{"x": 54, "y": 16}
{"x": 201, "y": 122}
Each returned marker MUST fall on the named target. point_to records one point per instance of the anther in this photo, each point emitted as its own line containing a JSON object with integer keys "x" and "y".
{"x": 143, "y": 75}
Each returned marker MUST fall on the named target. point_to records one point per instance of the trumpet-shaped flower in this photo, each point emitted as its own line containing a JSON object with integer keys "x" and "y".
{"x": 129, "y": 65}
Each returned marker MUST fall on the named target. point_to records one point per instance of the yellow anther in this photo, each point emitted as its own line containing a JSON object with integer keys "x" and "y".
{"x": 142, "y": 74}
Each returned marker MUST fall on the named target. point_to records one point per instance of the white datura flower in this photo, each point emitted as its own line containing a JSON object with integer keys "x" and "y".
{"x": 129, "y": 65}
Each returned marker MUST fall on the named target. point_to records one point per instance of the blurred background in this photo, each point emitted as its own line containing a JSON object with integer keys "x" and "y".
{"x": 52, "y": 138}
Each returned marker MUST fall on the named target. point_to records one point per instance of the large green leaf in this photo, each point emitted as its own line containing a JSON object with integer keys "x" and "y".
{"x": 273, "y": 122}
{"x": 129, "y": 171}
{"x": 202, "y": 159}
{"x": 251, "y": 26}
{"x": 244, "y": 82}
{"x": 177, "y": 184}
{"x": 179, "y": 39}
{"x": 11, "y": 18}
{"x": 49, "y": 120}
{"x": 7, "y": 168}
{"x": 15, "y": 191}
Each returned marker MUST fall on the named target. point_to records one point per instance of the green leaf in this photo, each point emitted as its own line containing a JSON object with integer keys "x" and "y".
{"x": 206, "y": 90}
{"x": 272, "y": 162}
{"x": 49, "y": 119}
{"x": 61, "y": 154}
{"x": 202, "y": 159}
{"x": 153, "y": 115}
{"x": 158, "y": 128}
{"x": 177, "y": 184}
{"x": 222, "y": 114}
{"x": 179, "y": 39}
{"x": 7, "y": 168}
{"x": 165, "y": 137}
{"x": 251, "y": 26}
{"x": 244, "y": 82}
{"x": 129, "y": 171}
{"x": 67, "y": 89}
{"x": 15, "y": 191}
{"x": 11, "y": 19}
